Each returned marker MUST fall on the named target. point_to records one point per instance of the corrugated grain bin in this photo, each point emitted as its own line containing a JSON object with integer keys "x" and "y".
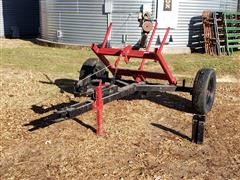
{"x": 83, "y": 22}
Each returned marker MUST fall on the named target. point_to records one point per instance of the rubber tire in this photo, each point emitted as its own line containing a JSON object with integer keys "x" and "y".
{"x": 204, "y": 89}
{"x": 91, "y": 66}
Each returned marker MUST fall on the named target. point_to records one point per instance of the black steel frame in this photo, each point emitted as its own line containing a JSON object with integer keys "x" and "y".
{"x": 118, "y": 90}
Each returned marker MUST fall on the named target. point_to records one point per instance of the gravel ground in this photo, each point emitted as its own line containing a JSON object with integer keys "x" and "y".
{"x": 144, "y": 139}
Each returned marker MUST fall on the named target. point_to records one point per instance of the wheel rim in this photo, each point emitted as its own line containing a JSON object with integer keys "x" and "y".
{"x": 210, "y": 92}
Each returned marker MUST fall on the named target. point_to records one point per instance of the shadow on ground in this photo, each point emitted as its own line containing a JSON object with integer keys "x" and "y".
{"x": 52, "y": 119}
{"x": 41, "y": 109}
{"x": 65, "y": 85}
{"x": 177, "y": 133}
{"x": 169, "y": 100}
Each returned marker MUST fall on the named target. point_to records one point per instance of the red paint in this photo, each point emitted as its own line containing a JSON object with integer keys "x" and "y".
{"x": 164, "y": 41}
{"x": 127, "y": 53}
{"x": 107, "y": 35}
{"x": 148, "y": 46}
{"x": 98, "y": 106}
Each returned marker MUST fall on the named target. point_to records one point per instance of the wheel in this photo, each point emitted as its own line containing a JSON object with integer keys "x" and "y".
{"x": 93, "y": 67}
{"x": 204, "y": 88}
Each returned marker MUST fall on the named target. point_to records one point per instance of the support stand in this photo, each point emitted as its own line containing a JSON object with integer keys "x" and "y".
{"x": 198, "y": 128}
{"x": 98, "y": 106}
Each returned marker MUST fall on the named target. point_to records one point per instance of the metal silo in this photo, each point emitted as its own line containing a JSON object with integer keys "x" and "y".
{"x": 238, "y": 5}
{"x": 20, "y": 18}
{"x": 73, "y": 21}
{"x": 83, "y": 22}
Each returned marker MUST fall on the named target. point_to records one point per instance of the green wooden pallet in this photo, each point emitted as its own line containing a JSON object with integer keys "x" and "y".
{"x": 232, "y": 31}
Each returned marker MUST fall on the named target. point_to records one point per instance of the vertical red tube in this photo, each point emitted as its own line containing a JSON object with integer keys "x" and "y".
{"x": 107, "y": 35}
{"x": 152, "y": 36}
{"x": 162, "y": 62}
{"x": 99, "y": 109}
{"x": 149, "y": 45}
{"x": 164, "y": 41}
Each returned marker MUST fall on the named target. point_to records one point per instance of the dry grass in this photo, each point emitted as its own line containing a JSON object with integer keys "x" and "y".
{"x": 29, "y": 56}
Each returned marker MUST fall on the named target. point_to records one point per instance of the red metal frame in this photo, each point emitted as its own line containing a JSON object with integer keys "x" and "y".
{"x": 98, "y": 107}
{"x": 127, "y": 53}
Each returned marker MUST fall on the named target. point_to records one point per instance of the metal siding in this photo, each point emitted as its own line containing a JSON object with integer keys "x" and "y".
{"x": 22, "y": 14}
{"x": 124, "y": 18}
{"x": 1, "y": 20}
{"x": 228, "y": 5}
{"x": 189, "y": 11}
{"x": 238, "y": 6}
{"x": 43, "y": 19}
{"x": 81, "y": 22}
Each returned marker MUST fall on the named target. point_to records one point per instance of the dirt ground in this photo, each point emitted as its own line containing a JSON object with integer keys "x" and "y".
{"x": 144, "y": 139}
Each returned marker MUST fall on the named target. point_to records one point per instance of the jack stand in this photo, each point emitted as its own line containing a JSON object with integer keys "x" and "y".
{"x": 98, "y": 106}
{"x": 198, "y": 128}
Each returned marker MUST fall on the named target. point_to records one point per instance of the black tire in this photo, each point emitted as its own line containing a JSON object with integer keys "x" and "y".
{"x": 203, "y": 93}
{"x": 92, "y": 66}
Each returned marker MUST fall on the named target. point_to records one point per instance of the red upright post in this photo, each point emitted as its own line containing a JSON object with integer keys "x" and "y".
{"x": 107, "y": 35}
{"x": 149, "y": 45}
{"x": 141, "y": 68}
{"x": 164, "y": 41}
{"x": 99, "y": 109}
